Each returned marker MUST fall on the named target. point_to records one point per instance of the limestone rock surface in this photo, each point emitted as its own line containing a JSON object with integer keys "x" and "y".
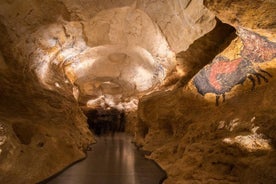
{"x": 202, "y": 74}
{"x": 220, "y": 127}
{"x": 58, "y": 54}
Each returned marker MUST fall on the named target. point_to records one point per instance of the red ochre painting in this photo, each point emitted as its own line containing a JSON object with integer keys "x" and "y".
{"x": 223, "y": 74}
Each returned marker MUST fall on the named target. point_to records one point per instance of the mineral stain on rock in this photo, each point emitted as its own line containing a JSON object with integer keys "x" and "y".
{"x": 256, "y": 48}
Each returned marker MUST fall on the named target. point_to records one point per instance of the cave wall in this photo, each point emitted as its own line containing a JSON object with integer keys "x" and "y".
{"x": 42, "y": 129}
{"x": 218, "y": 126}
{"x": 200, "y": 53}
{"x": 47, "y": 50}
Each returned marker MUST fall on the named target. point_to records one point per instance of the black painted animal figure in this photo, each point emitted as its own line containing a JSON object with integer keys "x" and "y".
{"x": 223, "y": 74}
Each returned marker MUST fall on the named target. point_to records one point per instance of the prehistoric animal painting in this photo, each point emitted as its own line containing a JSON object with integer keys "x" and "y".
{"x": 256, "y": 48}
{"x": 223, "y": 74}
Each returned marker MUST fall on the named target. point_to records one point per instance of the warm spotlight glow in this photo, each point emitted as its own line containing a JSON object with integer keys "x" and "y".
{"x": 252, "y": 142}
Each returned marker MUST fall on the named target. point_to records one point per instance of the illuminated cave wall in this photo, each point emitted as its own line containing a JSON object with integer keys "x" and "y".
{"x": 203, "y": 80}
{"x": 57, "y": 55}
{"x": 218, "y": 125}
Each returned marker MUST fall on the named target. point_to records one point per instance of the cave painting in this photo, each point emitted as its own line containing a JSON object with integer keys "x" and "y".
{"x": 223, "y": 74}
{"x": 256, "y": 48}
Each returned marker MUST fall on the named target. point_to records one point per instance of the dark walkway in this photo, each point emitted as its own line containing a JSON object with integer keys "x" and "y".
{"x": 112, "y": 160}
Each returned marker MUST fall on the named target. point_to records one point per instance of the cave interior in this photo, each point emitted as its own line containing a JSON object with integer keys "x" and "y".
{"x": 191, "y": 81}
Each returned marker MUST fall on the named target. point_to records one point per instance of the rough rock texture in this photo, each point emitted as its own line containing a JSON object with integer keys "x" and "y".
{"x": 108, "y": 49}
{"x": 257, "y": 15}
{"x": 41, "y": 131}
{"x": 200, "y": 53}
{"x": 99, "y": 53}
{"x": 212, "y": 120}
{"x": 220, "y": 127}
{"x": 196, "y": 142}
{"x": 139, "y": 39}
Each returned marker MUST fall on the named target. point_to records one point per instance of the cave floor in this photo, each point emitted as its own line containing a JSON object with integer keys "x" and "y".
{"x": 113, "y": 159}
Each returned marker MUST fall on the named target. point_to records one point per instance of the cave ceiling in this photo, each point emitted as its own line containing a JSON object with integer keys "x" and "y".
{"x": 111, "y": 51}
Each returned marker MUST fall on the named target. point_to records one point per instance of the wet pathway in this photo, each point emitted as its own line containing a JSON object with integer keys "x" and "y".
{"x": 112, "y": 160}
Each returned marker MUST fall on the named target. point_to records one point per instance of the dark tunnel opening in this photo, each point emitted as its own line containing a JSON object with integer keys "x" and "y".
{"x": 105, "y": 121}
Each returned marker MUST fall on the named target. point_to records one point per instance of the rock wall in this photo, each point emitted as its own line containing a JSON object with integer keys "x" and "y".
{"x": 212, "y": 120}
{"x": 98, "y": 52}
{"x": 197, "y": 142}
{"x": 42, "y": 129}
{"x": 200, "y": 53}
{"x": 220, "y": 126}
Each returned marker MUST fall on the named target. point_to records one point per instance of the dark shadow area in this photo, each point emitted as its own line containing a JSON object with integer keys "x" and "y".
{"x": 203, "y": 51}
{"x": 105, "y": 121}
{"x": 24, "y": 132}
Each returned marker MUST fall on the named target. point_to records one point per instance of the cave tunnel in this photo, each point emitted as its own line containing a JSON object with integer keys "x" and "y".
{"x": 105, "y": 121}
{"x": 137, "y": 91}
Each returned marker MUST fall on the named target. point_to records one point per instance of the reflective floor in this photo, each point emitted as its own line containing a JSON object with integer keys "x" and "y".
{"x": 112, "y": 160}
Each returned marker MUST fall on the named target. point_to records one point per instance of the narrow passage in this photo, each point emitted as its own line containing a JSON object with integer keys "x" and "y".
{"x": 112, "y": 160}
